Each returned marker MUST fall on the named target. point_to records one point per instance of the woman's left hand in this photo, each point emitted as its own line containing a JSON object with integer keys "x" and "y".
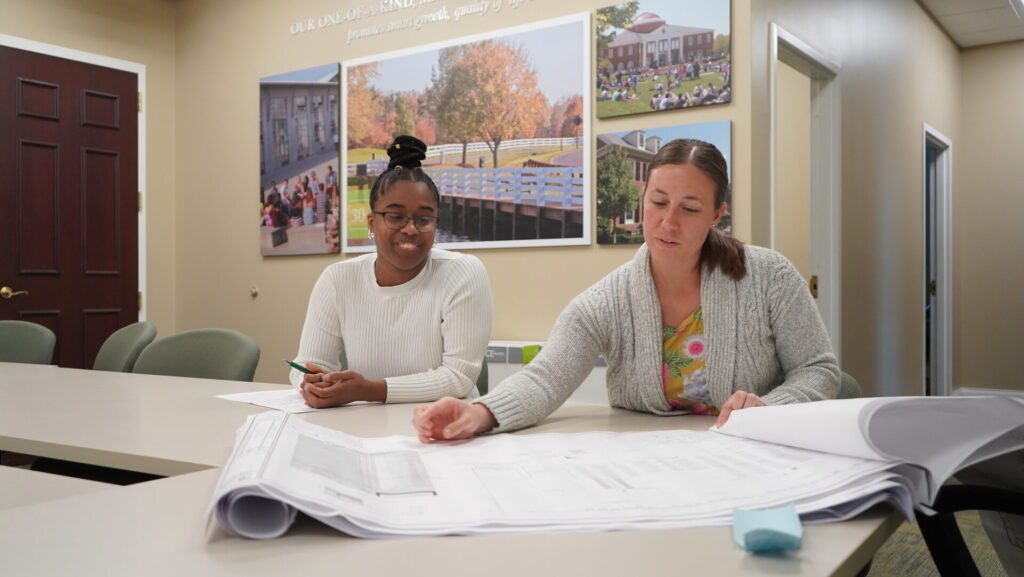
{"x": 738, "y": 400}
{"x": 341, "y": 388}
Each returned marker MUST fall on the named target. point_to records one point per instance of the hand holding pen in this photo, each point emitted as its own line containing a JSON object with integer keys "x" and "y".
{"x": 312, "y": 374}
{"x": 321, "y": 389}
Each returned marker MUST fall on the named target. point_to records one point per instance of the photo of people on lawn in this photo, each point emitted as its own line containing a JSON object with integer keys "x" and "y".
{"x": 659, "y": 55}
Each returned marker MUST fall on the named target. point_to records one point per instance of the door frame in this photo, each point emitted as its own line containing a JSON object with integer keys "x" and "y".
{"x": 826, "y": 167}
{"x": 117, "y": 64}
{"x": 942, "y": 239}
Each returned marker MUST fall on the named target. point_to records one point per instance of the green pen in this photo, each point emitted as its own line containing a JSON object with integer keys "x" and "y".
{"x": 299, "y": 367}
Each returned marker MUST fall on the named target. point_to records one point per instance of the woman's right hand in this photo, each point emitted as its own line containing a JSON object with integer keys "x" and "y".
{"x": 451, "y": 419}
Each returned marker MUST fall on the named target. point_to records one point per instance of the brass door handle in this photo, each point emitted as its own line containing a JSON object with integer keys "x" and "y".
{"x": 7, "y": 293}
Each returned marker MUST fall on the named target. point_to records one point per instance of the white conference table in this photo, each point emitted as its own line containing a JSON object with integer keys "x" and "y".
{"x": 160, "y": 527}
{"x": 23, "y": 487}
{"x": 148, "y": 423}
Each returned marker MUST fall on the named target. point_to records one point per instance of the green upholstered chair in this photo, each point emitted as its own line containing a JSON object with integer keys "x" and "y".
{"x": 201, "y": 353}
{"x": 482, "y": 380}
{"x": 122, "y": 348}
{"x": 848, "y": 387}
{"x": 23, "y": 342}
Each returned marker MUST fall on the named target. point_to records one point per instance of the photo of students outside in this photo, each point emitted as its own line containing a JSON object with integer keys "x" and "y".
{"x": 622, "y": 167}
{"x": 660, "y": 55}
{"x": 504, "y": 119}
{"x": 300, "y": 208}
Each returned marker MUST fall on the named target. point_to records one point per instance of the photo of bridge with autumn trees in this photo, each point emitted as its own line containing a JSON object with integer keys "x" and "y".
{"x": 505, "y": 120}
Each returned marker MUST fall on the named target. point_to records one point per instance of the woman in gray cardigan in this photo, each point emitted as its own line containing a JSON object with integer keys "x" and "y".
{"x": 697, "y": 322}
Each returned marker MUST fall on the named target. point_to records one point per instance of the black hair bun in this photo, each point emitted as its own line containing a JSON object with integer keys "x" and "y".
{"x": 406, "y": 151}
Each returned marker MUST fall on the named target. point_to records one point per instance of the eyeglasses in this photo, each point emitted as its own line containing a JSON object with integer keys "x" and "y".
{"x": 397, "y": 221}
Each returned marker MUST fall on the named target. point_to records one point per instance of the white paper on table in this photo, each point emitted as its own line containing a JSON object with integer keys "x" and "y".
{"x": 288, "y": 400}
{"x": 828, "y": 426}
{"x": 938, "y": 434}
{"x": 512, "y": 483}
{"x": 254, "y": 443}
{"x": 602, "y": 481}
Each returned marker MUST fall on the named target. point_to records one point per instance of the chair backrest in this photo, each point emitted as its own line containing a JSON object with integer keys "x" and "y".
{"x": 482, "y": 380}
{"x": 23, "y": 342}
{"x": 202, "y": 353}
{"x": 122, "y": 348}
{"x": 848, "y": 387}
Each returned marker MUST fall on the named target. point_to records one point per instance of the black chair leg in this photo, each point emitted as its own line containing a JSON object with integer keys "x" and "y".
{"x": 946, "y": 544}
{"x": 864, "y": 572}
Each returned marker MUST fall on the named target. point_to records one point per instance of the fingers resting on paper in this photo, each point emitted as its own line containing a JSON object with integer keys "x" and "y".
{"x": 451, "y": 419}
{"x": 738, "y": 400}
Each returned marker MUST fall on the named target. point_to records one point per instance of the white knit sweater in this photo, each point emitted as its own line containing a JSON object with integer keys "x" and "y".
{"x": 427, "y": 338}
{"x": 763, "y": 335}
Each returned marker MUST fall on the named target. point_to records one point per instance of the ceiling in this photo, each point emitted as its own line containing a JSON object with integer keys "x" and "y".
{"x": 979, "y": 22}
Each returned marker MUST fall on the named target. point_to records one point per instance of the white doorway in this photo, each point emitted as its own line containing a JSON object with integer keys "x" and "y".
{"x": 937, "y": 286}
{"x": 806, "y": 223}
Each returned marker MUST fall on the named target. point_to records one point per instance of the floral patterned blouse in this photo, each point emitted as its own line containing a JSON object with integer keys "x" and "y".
{"x": 682, "y": 366}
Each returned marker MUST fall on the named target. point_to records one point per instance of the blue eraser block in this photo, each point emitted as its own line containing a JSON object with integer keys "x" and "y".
{"x": 767, "y": 530}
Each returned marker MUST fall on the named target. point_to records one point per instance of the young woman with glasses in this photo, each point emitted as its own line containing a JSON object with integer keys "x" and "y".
{"x": 696, "y": 323}
{"x": 412, "y": 321}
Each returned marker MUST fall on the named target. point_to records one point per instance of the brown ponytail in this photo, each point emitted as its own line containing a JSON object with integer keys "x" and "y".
{"x": 725, "y": 253}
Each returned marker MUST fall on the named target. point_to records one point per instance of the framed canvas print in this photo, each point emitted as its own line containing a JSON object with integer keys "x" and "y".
{"x": 622, "y": 169}
{"x": 300, "y": 207}
{"x": 505, "y": 117}
{"x": 657, "y": 55}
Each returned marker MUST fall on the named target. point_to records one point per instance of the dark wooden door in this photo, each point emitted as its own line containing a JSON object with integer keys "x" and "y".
{"x": 68, "y": 199}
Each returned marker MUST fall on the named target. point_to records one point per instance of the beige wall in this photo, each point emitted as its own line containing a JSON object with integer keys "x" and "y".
{"x": 224, "y": 47}
{"x": 897, "y": 71}
{"x": 988, "y": 208}
{"x": 139, "y": 31}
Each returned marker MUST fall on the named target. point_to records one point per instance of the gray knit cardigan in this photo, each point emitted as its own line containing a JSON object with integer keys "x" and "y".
{"x": 763, "y": 334}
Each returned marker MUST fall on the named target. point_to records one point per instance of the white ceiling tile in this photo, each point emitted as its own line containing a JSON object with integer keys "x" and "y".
{"x": 940, "y": 8}
{"x": 978, "y": 22}
{"x": 990, "y": 37}
{"x": 971, "y": 22}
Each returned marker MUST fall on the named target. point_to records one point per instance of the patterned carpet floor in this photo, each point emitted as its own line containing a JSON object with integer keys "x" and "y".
{"x": 905, "y": 554}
